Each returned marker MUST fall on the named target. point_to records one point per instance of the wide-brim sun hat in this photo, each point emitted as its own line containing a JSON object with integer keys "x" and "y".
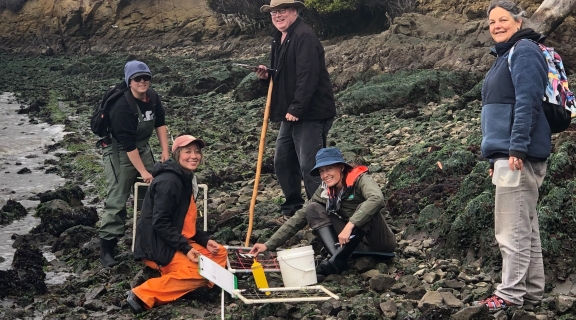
{"x": 279, "y": 4}
{"x": 326, "y": 157}
{"x": 185, "y": 140}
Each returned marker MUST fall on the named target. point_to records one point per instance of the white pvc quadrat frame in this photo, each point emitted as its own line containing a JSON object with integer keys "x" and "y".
{"x": 134, "y": 218}
{"x": 318, "y": 288}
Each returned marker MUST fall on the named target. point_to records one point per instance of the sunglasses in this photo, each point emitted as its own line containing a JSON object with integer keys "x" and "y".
{"x": 140, "y": 78}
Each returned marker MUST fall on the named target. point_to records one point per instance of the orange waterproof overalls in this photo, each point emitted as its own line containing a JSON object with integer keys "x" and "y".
{"x": 181, "y": 275}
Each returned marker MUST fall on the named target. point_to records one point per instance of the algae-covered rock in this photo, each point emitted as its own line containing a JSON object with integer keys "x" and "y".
{"x": 56, "y": 216}
{"x": 74, "y": 238}
{"x": 402, "y": 89}
{"x": 72, "y": 195}
{"x": 11, "y": 211}
{"x": 27, "y": 276}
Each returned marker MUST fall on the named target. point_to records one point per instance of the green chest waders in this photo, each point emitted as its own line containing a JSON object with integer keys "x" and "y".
{"x": 121, "y": 176}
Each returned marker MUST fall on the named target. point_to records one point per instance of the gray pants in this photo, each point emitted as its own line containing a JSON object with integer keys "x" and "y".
{"x": 517, "y": 233}
{"x": 379, "y": 237}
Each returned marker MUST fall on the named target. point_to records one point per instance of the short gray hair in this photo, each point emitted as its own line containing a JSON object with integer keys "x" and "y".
{"x": 515, "y": 11}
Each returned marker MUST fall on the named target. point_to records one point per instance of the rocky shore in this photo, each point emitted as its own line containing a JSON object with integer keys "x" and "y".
{"x": 407, "y": 108}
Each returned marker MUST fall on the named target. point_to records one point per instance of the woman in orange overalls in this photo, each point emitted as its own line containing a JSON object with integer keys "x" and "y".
{"x": 167, "y": 238}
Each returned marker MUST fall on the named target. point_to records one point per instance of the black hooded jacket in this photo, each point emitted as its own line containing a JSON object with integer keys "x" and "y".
{"x": 159, "y": 227}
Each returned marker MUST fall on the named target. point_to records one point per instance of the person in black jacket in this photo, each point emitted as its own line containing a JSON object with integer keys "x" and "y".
{"x": 302, "y": 99}
{"x": 167, "y": 236}
{"x": 126, "y": 153}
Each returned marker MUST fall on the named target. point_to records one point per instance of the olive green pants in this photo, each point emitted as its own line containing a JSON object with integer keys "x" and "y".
{"x": 120, "y": 178}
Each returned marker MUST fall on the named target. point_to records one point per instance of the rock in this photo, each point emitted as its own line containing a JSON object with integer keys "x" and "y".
{"x": 382, "y": 283}
{"x": 27, "y": 277}
{"x": 453, "y": 284}
{"x": 450, "y": 300}
{"x": 477, "y": 312}
{"x": 523, "y": 315}
{"x": 501, "y": 315}
{"x": 331, "y": 307}
{"x": 11, "y": 211}
{"x": 57, "y": 216}
{"x": 95, "y": 292}
{"x": 389, "y": 309}
{"x": 36, "y": 240}
{"x": 415, "y": 294}
{"x": 564, "y": 304}
{"x": 364, "y": 264}
{"x": 430, "y": 277}
{"x": 436, "y": 313}
{"x": 430, "y": 300}
{"x": 74, "y": 238}
{"x": 370, "y": 274}
{"x": 413, "y": 251}
{"x": 24, "y": 171}
{"x": 72, "y": 195}
{"x": 468, "y": 279}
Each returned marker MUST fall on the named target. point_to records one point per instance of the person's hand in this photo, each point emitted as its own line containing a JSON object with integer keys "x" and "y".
{"x": 192, "y": 255}
{"x": 515, "y": 163}
{"x": 490, "y": 172}
{"x": 344, "y": 236}
{"x": 258, "y": 248}
{"x": 262, "y": 72}
{"x": 165, "y": 156}
{"x": 290, "y": 117}
{"x": 146, "y": 176}
{"x": 213, "y": 246}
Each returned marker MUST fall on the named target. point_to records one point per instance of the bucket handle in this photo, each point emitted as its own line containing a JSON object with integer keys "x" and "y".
{"x": 304, "y": 270}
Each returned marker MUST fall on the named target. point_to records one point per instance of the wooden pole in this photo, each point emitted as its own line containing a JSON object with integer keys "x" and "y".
{"x": 259, "y": 163}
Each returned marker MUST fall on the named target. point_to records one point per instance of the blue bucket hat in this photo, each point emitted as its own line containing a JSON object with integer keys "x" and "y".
{"x": 326, "y": 157}
{"x": 135, "y": 68}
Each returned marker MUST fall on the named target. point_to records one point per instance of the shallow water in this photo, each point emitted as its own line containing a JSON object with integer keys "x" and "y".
{"x": 22, "y": 146}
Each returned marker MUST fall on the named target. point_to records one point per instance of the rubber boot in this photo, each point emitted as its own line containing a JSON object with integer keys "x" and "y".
{"x": 328, "y": 237}
{"x": 339, "y": 261}
{"x": 107, "y": 248}
{"x": 135, "y": 303}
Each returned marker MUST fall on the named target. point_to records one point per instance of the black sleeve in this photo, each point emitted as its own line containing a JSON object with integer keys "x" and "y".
{"x": 124, "y": 124}
{"x": 167, "y": 198}
{"x": 200, "y": 237}
{"x": 160, "y": 114}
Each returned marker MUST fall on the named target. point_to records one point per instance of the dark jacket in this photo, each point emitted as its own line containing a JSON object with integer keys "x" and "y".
{"x": 125, "y": 123}
{"x": 361, "y": 201}
{"x": 513, "y": 121}
{"x": 301, "y": 82}
{"x": 159, "y": 227}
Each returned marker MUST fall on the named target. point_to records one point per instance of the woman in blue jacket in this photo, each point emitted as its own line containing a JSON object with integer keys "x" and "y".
{"x": 514, "y": 129}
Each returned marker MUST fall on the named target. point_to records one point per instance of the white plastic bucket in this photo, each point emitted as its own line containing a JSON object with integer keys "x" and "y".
{"x": 503, "y": 176}
{"x": 297, "y": 267}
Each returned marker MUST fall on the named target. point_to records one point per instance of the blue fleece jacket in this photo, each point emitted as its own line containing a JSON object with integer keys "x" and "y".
{"x": 513, "y": 121}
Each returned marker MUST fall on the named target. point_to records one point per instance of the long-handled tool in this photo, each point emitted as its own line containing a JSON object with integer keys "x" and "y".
{"x": 259, "y": 163}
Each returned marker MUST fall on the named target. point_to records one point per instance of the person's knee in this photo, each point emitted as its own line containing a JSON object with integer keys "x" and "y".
{"x": 316, "y": 215}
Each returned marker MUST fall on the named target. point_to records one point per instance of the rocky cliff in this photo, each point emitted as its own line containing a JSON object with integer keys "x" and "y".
{"x": 104, "y": 25}
{"x": 441, "y": 34}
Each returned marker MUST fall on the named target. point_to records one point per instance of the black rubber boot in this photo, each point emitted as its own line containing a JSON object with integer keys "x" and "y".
{"x": 135, "y": 303}
{"x": 328, "y": 237}
{"x": 339, "y": 261}
{"x": 107, "y": 248}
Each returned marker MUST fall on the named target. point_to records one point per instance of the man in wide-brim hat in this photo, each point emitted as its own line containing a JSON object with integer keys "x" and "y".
{"x": 302, "y": 100}
{"x": 279, "y": 4}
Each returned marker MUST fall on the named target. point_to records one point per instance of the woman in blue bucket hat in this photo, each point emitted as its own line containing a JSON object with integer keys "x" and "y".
{"x": 344, "y": 213}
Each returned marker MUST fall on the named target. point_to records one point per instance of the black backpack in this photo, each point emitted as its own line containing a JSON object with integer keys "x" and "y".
{"x": 100, "y": 122}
